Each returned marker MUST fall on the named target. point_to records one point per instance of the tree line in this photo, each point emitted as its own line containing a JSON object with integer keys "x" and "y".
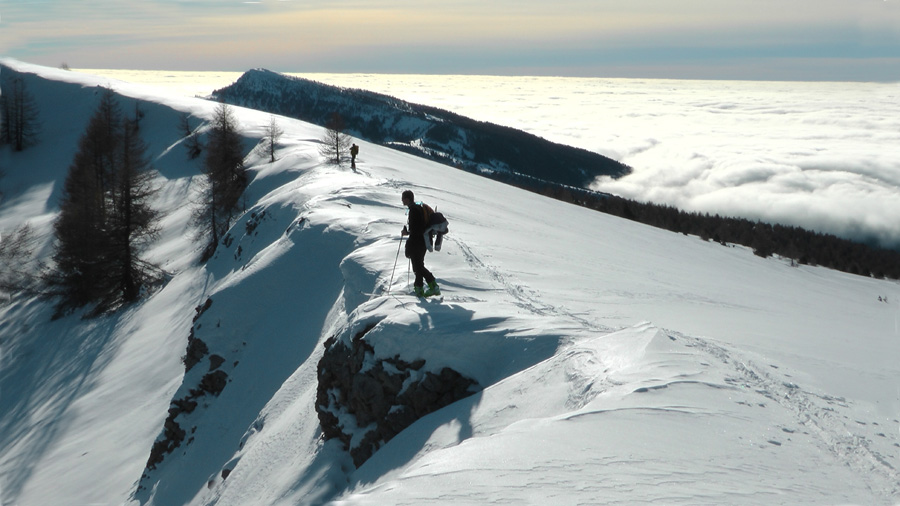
{"x": 802, "y": 246}
{"x": 225, "y": 181}
{"x": 20, "y": 127}
{"x": 106, "y": 218}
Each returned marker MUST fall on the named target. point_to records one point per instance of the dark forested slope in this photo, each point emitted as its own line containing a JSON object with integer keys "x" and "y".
{"x": 422, "y": 130}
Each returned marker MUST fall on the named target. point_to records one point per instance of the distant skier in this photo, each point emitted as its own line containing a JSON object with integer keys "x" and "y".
{"x": 354, "y": 150}
{"x": 415, "y": 246}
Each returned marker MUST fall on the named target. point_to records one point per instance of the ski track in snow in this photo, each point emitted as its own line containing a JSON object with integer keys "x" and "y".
{"x": 821, "y": 415}
{"x": 522, "y": 296}
{"x": 825, "y": 417}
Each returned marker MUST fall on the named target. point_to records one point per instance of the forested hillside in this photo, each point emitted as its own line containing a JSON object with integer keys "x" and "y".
{"x": 421, "y": 130}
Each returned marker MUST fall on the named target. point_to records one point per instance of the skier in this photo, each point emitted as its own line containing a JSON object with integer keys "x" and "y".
{"x": 415, "y": 246}
{"x": 354, "y": 150}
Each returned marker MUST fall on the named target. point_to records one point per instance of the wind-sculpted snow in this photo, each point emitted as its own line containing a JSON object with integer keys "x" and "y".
{"x": 606, "y": 361}
{"x": 618, "y": 402}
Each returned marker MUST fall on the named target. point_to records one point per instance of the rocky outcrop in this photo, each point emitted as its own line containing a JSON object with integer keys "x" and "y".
{"x": 211, "y": 383}
{"x": 364, "y": 400}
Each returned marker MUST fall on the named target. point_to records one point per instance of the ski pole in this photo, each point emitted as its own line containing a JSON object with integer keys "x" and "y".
{"x": 395, "y": 264}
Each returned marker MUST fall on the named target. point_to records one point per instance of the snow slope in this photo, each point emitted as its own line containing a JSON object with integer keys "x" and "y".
{"x": 619, "y": 363}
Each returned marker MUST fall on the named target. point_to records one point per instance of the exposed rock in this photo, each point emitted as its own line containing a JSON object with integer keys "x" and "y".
{"x": 214, "y": 382}
{"x": 383, "y": 395}
{"x": 202, "y": 309}
{"x": 215, "y": 361}
{"x": 211, "y": 383}
{"x": 196, "y": 348}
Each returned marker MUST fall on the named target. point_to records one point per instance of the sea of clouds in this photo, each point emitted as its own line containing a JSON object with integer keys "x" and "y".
{"x": 821, "y": 155}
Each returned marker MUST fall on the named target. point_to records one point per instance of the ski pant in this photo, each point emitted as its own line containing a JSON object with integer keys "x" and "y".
{"x": 418, "y": 267}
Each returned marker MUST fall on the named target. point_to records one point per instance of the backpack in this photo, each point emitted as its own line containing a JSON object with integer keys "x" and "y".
{"x": 429, "y": 212}
{"x": 432, "y": 217}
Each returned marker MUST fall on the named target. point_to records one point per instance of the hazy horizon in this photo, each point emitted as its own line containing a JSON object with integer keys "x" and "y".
{"x": 112, "y": 72}
{"x": 807, "y": 40}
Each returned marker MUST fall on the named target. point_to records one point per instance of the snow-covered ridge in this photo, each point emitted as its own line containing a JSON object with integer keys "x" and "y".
{"x": 616, "y": 362}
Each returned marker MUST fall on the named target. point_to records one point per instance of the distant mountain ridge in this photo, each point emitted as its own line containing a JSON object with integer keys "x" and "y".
{"x": 421, "y": 130}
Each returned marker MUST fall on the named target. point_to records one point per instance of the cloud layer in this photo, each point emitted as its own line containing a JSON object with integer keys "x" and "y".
{"x": 818, "y": 155}
{"x": 815, "y": 155}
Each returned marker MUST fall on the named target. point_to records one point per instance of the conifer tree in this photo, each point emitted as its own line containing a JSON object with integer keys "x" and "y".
{"x": 191, "y": 137}
{"x": 273, "y": 133}
{"x": 79, "y": 252}
{"x": 226, "y": 178}
{"x": 105, "y": 217}
{"x": 19, "y": 123}
{"x": 133, "y": 222}
{"x": 336, "y": 144}
{"x": 81, "y": 245}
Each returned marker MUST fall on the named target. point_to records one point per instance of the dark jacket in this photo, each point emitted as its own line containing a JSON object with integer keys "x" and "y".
{"x": 415, "y": 243}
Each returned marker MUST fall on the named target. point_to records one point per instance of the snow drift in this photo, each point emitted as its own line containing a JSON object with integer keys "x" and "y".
{"x": 609, "y": 361}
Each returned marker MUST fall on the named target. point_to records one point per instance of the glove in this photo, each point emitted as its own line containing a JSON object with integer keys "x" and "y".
{"x": 404, "y": 232}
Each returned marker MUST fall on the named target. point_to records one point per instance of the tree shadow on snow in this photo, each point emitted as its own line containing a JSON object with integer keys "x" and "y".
{"x": 47, "y": 376}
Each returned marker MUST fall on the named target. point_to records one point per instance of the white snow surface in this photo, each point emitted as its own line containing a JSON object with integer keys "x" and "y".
{"x": 619, "y": 364}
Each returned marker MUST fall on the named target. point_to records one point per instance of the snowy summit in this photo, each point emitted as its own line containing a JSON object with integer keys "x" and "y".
{"x": 596, "y": 360}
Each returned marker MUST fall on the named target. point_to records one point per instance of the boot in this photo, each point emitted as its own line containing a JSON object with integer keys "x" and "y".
{"x": 433, "y": 289}
{"x": 419, "y": 291}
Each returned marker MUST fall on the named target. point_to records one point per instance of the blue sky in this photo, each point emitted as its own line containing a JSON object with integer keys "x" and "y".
{"x": 857, "y": 40}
